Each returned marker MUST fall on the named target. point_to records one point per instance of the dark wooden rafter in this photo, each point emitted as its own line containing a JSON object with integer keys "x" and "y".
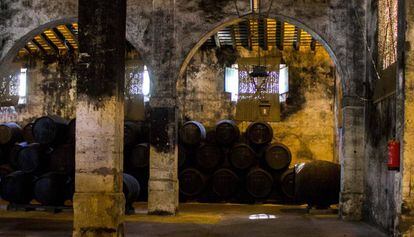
{"x": 280, "y": 34}
{"x": 46, "y": 39}
{"x": 28, "y": 50}
{"x": 63, "y": 40}
{"x": 71, "y": 30}
{"x": 262, "y": 33}
{"x": 298, "y": 33}
{"x": 233, "y": 37}
{"x": 249, "y": 35}
{"x": 217, "y": 40}
{"x": 243, "y": 33}
{"x": 313, "y": 44}
{"x": 39, "y": 46}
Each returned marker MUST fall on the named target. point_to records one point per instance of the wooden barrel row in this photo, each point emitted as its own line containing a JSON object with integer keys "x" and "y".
{"x": 316, "y": 183}
{"x": 226, "y": 184}
{"x": 43, "y": 153}
{"x": 241, "y": 156}
{"x": 53, "y": 188}
{"x": 226, "y": 133}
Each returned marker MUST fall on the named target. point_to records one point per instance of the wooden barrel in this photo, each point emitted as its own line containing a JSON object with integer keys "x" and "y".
{"x": 278, "y": 156}
{"x": 62, "y": 159}
{"x": 192, "y": 133}
{"x": 317, "y": 183}
{"x": 139, "y": 156}
{"x": 28, "y": 133}
{"x": 71, "y": 131}
{"x": 17, "y": 187}
{"x": 227, "y": 132}
{"x": 225, "y": 183}
{"x": 131, "y": 189}
{"x": 184, "y": 155}
{"x": 13, "y": 156}
{"x": 242, "y": 156}
{"x": 50, "y": 130}
{"x": 211, "y": 137}
{"x": 259, "y": 183}
{"x": 192, "y": 182}
{"x": 209, "y": 156}
{"x": 49, "y": 189}
{"x": 287, "y": 183}
{"x": 132, "y": 132}
{"x": 259, "y": 133}
{"x": 29, "y": 158}
{"x": 10, "y": 133}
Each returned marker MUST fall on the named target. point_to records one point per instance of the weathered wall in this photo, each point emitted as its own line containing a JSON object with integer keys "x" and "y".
{"x": 51, "y": 88}
{"x": 307, "y": 125}
{"x": 201, "y": 91}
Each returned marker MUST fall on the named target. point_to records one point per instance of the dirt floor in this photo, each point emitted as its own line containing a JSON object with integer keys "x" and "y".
{"x": 199, "y": 220}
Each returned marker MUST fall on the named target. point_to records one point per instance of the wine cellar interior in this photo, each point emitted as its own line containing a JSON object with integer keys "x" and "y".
{"x": 204, "y": 117}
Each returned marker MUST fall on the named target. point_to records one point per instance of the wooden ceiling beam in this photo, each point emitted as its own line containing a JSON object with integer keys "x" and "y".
{"x": 233, "y": 37}
{"x": 280, "y": 35}
{"x": 28, "y": 50}
{"x": 249, "y": 35}
{"x": 39, "y": 46}
{"x": 217, "y": 40}
{"x": 298, "y": 33}
{"x": 313, "y": 44}
{"x": 63, "y": 40}
{"x": 71, "y": 30}
{"x": 46, "y": 39}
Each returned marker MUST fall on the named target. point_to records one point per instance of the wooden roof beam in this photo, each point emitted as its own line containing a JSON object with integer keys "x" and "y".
{"x": 28, "y": 50}
{"x": 39, "y": 46}
{"x": 280, "y": 32}
{"x": 296, "y": 43}
{"x": 63, "y": 40}
{"x": 313, "y": 44}
{"x": 44, "y": 37}
{"x": 233, "y": 37}
{"x": 217, "y": 40}
{"x": 71, "y": 30}
{"x": 249, "y": 36}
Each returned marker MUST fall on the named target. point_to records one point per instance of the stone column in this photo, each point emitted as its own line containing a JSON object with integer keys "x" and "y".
{"x": 99, "y": 201}
{"x": 352, "y": 161}
{"x": 163, "y": 181}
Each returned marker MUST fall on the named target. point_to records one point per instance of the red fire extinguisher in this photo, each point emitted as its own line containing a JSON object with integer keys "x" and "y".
{"x": 393, "y": 155}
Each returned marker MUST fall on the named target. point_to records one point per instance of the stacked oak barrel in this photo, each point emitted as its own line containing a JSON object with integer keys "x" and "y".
{"x": 38, "y": 163}
{"x": 224, "y": 165}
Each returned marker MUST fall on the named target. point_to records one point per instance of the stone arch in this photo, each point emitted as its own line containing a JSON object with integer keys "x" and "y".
{"x": 20, "y": 43}
{"x": 293, "y": 21}
{"x": 336, "y": 51}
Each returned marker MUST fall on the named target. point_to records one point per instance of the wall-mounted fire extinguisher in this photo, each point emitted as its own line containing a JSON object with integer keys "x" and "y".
{"x": 393, "y": 155}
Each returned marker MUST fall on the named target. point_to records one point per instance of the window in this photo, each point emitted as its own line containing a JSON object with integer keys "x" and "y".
{"x": 231, "y": 82}
{"x": 283, "y": 79}
{"x": 22, "y": 86}
{"x": 146, "y": 84}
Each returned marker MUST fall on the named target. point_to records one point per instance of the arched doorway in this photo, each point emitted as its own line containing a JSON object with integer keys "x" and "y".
{"x": 218, "y": 38}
